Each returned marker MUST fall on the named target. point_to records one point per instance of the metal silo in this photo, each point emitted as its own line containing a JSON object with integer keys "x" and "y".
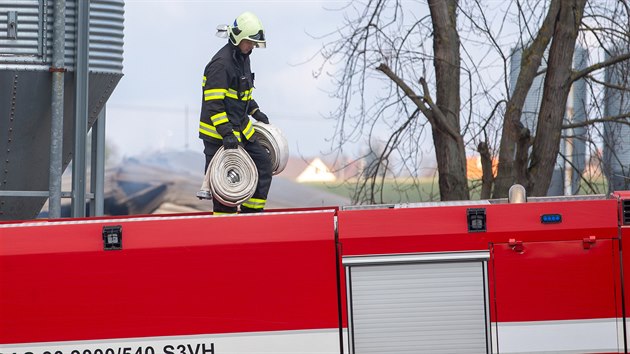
{"x": 617, "y": 134}
{"x": 529, "y": 115}
{"x": 565, "y": 180}
{"x": 26, "y": 87}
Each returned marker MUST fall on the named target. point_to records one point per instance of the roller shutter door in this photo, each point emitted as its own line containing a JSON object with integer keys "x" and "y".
{"x": 418, "y": 307}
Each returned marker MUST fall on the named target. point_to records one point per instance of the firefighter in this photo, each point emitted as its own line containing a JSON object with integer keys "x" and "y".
{"x": 227, "y": 104}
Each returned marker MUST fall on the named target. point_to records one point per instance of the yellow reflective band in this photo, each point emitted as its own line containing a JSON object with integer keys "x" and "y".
{"x": 209, "y": 130}
{"x": 222, "y": 213}
{"x": 247, "y": 95}
{"x": 252, "y": 206}
{"x": 231, "y": 94}
{"x": 203, "y": 82}
{"x": 249, "y": 130}
{"x": 214, "y": 94}
{"x": 255, "y": 203}
{"x": 219, "y": 118}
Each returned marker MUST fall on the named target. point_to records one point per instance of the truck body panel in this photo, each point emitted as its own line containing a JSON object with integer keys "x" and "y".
{"x": 173, "y": 277}
{"x": 538, "y": 277}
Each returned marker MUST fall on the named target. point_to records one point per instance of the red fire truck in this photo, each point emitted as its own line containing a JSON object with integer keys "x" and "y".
{"x": 545, "y": 276}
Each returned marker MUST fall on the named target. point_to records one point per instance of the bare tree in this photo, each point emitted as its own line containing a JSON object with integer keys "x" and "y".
{"x": 467, "y": 106}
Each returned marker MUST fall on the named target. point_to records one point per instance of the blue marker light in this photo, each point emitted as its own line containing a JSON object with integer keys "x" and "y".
{"x": 551, "y": 218}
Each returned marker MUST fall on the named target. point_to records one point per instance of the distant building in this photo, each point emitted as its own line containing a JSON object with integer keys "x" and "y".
{"x": 295, "y": 166}
{"x": 474, "y": 170}
{"x": 573, "y": 147}
{"x": 316, "y": 171}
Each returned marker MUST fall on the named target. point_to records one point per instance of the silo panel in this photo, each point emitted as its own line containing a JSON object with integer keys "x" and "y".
{"x": 106, "y": 36}
{"x": 23, "y": 43}
{"x": 70, "y": 33}
{"x": 24, "y": 71}
{"x": 617, "y": 134}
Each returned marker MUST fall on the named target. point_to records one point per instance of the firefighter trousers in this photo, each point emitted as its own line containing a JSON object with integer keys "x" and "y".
{"x": 261, "y": 159}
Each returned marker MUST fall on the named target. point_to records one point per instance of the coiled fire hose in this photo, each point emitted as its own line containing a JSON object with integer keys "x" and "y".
{"x": 271, "y": 138}
{"x": 232, "y": 176}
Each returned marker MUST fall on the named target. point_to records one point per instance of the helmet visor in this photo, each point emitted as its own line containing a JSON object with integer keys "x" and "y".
{"x": 259, "y": 39}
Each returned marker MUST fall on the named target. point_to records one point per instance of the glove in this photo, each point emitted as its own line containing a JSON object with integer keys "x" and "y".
{"x": 230, "y": 142}
{"x": 260, "y": 116}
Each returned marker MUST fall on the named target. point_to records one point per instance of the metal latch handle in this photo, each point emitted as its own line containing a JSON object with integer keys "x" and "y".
{"x": 588, "y": 242}
{"x": 516, "y": 246}
{"x": 12, "y": 24}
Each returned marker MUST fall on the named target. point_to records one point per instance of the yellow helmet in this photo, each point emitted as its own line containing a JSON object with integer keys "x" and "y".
{"x": 247, "y": 26}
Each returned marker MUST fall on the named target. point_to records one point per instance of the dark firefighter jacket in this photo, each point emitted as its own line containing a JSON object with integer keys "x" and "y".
{"x": 227, "y": 96}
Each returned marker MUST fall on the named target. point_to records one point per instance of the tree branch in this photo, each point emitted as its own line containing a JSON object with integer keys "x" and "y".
{"x": 531, "y": 59}
{"x": 438, "y": 115}
{"x": 612, "y": 61}
{"x": 487, "y": 177}
{"x": 608, "y": 84}
{"x": 621, "y": 119}
{"x": 433, "y": 113}
{"x": 408, "y": 91}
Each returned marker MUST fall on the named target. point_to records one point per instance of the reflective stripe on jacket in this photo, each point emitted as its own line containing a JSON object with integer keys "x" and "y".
{"x": 227, "y": 96}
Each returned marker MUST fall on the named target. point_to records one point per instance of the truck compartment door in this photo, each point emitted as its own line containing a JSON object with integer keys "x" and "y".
{"x": 557, "y": 296}
{"x": 421, "y": 303}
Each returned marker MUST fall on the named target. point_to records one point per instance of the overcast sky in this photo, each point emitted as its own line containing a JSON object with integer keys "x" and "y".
{"x": 167, "y": 45}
